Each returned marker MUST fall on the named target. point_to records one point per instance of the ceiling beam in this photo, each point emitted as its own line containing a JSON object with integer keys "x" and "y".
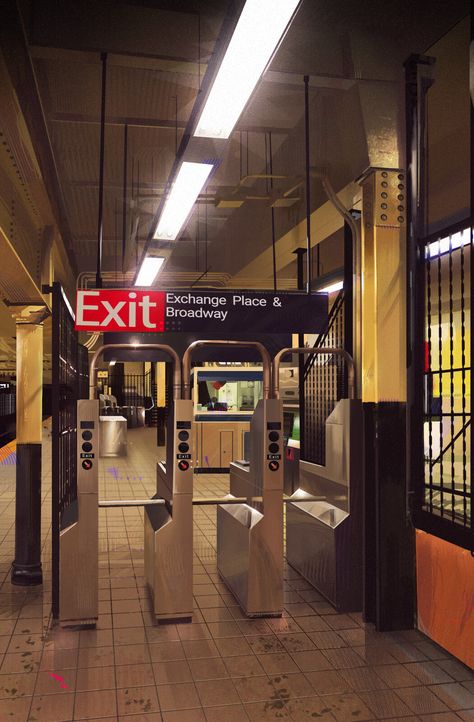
{"x": 23, "y": 79}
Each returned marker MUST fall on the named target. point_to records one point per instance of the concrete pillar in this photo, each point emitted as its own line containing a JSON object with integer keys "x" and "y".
{"x": 26, "y": 567}
{"x": 389, "y": 537}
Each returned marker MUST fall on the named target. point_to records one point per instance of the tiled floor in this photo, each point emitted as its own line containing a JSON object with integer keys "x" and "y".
{"x": 312, "y": 664}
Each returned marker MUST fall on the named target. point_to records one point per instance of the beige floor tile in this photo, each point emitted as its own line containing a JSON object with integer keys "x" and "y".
{"x": 137, "y": 700}
{"x": 229, "y": 713}
{"x": 193, "y": 631}
{"x": 16, "y": 685}
{"x": 265, "y": 644}
{"x": 134, "y": 675}
{"x": 166, "y": 651}
{"x": 64, "y": 680}
{"x": 208, "y": 668}
{"x": 276, "y": 709}
{"x": 94, "y": 678}
{"x": 385, "y": 703}
{"x": 129, "y": 635}
{"x": 15, "y": 710}
{"x": 18, "y": 663}
{"x": 214, "y": 692}
{"x": 95, "y": 657}
{"x": 346, "y": 707}
{"x": 421, "y": 700}
{"x": 199, "y": 648}
{"x": 310, "y": 708}
{"x": 328, "y": 682}
{"x": 172, "y": 672}
{"x": 278, "y": 663}
{"x": 185, "y": 715}
{"x": 246, "y": 665}
{"x": 363, "y": 679}
{"x": 232, "y": 646}
{"x": 311, "y": 660}
{"x": 95, "y": 704}
{"x": 178, "y": 696}
{"x": 95, "y": 638}
{"x": 254, "y": 689}
{"x": 52, "y": 708}
{"x": 132, "y": 654}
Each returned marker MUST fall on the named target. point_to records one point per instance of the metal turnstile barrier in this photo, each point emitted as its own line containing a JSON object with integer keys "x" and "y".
{"x": 168, "y": 524}
{"x": 324, "y": 538}
{"x": 250, "y": 534}
{"x": 169, "y": 527}
{"x": 79, "y": 535}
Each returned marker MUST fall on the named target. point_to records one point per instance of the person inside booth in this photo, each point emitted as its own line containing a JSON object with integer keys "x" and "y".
{"x": 215, "y": 405}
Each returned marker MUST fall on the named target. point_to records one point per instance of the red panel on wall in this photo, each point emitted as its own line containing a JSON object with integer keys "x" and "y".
{"x": 445, "y": 585}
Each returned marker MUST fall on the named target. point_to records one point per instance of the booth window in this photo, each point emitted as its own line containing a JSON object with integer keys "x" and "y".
{"x": 443, "y": 503}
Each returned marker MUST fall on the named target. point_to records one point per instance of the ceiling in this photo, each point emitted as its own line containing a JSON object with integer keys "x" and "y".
{"x": 157, "y": 58}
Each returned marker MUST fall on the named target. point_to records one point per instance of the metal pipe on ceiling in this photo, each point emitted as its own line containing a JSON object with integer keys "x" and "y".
{"x": 308, "y": 184}
{"x": 100, "y": 223}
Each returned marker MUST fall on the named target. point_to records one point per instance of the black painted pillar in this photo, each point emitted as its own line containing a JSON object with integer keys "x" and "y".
{"x": 26, "y": 567}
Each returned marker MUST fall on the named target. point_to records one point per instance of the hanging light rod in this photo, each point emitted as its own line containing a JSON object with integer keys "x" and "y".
{"x": 257, "y": 35}
{"x": 182, "y": 196}
{"x": 149, "y": 270}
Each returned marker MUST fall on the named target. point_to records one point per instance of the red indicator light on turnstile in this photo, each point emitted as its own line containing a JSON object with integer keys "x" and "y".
{"x": 273, "y": 465}
{"x": 87, "y": 464}
{"x": 183, "y": 465}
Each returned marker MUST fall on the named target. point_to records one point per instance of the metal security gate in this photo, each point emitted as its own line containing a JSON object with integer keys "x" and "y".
{"x": 440, "y": 337}
{"x": 443, "y": 496}
{"x": 70, "y": 371}
{"x": 324, "y": 385}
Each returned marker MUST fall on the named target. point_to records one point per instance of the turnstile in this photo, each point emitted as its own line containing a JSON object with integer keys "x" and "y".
{"x": 79, "y": 535}
{"x": 250, "y": 538}
{"x": 324, "y": 538}
{"x": 250, "y": 535}
{"x": 168, "y": 519}
{"x": 169, "y": 528}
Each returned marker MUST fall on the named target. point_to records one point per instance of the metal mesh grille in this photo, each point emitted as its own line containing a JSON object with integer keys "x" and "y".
{"x": 447, "y": 491}
{"x": 70, "y": 382}
{"x": 324, "y": 384}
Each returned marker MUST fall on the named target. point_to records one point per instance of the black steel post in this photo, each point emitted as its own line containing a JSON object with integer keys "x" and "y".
{"x": 98, "y": 278}
{"x": 308, "y": 184}
{"x": 416, "y": 88}
{"x": 124, "y": 196}
{"x": 55, "y": 454}
{"x": 273, "y": 214}
{"x": 348, "y": 290}
{"x": 301, "y": 359}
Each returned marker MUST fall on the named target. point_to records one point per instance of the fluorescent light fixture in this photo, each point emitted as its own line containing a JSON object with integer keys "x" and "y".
{"x": 338, "y": 286}
{"x": 112, "y": 363}
{"x": 258, "y": 32}
{"x": 149, "y": 270}
{"x": 182, "y": 196}
{"x": 443, "y": 245}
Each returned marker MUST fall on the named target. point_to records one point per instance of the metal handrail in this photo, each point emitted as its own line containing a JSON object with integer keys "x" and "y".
{"x": 142, "y": 347}
{"x": 335, "y": 308}
{"x": 208, "y": 501}
{"x": 304, "y": 350}
{"x": 266, "y": 362}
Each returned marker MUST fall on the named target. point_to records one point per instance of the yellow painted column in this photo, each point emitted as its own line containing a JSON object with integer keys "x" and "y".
{"x": 389, "y": 584}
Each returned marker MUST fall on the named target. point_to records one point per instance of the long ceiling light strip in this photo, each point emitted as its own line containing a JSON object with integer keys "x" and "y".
{"x": 149, "y": 270}
{"x": 188, "y": 184}
{"x": 258, "y": 32}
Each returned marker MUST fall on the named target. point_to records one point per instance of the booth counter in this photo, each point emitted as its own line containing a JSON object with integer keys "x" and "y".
{"x": 224, "y": 400}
